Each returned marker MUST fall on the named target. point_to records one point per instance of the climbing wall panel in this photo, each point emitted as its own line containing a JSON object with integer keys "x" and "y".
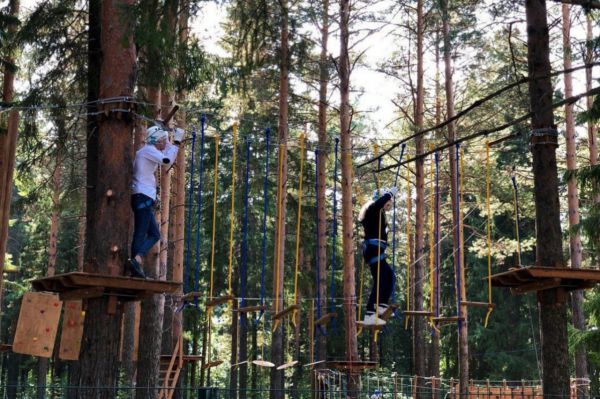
{"x": 37, "y": 325}
{"x": 72, "y": 331}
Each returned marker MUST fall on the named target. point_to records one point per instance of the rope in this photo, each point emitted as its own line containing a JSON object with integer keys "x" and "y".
{"x": 188, "y": 229}
{"x": 199, "y": 210}
{"x": 432, "y": 246}
{"x": 264, "y": 228}
{"x": 489, "y": 232}
{"x": 214, "y": 221}
{"x": 517, "y": 220}
{"x": 458, "y": 238}
{"x": 317, "y": 263}
{"x": 232, "y": 213}
{"x": 437, "y": 232}
{"x": 394, "y": 230}
{"x": 279, "y": 239}
{"x": 244, "y": 260}
{"x": 298, "y": 224}
{"x": 408, "y": 263}
{"x": 334, "y": 229}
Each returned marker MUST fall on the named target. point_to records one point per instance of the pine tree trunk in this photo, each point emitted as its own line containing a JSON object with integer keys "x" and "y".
{"x": 100, "y": 346}
{"x": 347, "y": 216}
{"x": 233, "y": 371}
{"x": 581, "y": 369}
{"x": 277, "y": 380}
{"x": 8, "y": 144}
{"x": 552, "y": 303}
{"x": 322, "y": 181}
{"x": 419, "y": 265}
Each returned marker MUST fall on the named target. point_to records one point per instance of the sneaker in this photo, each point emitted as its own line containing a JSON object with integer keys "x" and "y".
{"x": 135, "y": 269}
{"x": 372, "y": 320}
{"x": 381, "y": 309}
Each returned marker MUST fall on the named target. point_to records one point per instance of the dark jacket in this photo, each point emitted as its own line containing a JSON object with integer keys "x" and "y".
{"x": 374, "y": 228}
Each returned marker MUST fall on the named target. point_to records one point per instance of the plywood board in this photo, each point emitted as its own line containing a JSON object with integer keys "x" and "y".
{"x": 38, "y": 324}
{"x": 72, "y": 331}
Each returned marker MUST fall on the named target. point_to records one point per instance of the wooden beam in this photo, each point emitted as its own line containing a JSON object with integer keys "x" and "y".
{"x": 478, "y": 304}
{"x": 418, "y": 313}
{"x": 537, "y": 285}
{"x": 589, "y": 4}
{"x": 247, "y": 309}
{"x": 286, "y": 311}
{"x": 218, "y": 301}
{"x": 325, "y": 318}
{"x": 82, "y": 293}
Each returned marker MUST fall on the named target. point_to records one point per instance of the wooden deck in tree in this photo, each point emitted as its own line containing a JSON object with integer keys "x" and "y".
{"x": 538, "y": 278}
{"x": 79, "y": 285}
{"x": 185, "y": 358}
{"x": 353, "y": 365}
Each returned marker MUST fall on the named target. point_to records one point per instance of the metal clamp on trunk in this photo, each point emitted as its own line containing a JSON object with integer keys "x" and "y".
{"x": 543, "y": 136}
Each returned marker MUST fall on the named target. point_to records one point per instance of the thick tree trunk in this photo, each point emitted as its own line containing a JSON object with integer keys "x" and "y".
{"x": 347, "y": 215}
{"x": 277, "y": 376}
{"x": 233, "y": 371}
{"x": 419, "y": 265}
{"x": 322, "y": 181}
{"x": 8, "y": 144}
{"x": 591, "y": 127}
{"x": 581, "y": 369}
{"x": 100, "y": 346}
{"x": 552, "y": 303}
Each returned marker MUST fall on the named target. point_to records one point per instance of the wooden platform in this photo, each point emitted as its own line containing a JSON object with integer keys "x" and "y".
{"x": 538, "y": 278}
{"x": 78, "y": 285}
{"x": 185, "y": 358}
{"x": 355, "y": 365}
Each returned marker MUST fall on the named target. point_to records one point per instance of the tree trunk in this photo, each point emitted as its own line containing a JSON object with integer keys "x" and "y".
{"x": 347, "y": 216}
{"x": 100, "y": 346}
{"x": 321, "y": 255}
{"x": 233, "y": 371}
{"x": 419, "y": 265}
{"x": 552, "y": 306}
{"x": 581, "y": 369}
{"x": 277, "y": 381}
{"x": 8, "y": 143}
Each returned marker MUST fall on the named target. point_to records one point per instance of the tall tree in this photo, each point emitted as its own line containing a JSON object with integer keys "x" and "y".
{"x": 100, "y": 345}
{"x": 8, "y": 140}
{"x": 581, "y": 369}
{"x": 277, "y": 348}
{"x": 321, "y": 173}
{"x": 344, "y": 70}
{"x": 543, "y": 142}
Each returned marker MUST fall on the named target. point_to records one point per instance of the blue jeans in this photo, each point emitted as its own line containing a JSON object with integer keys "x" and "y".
{"x": 386, "y": 276}
{"x": 145, "y": 232}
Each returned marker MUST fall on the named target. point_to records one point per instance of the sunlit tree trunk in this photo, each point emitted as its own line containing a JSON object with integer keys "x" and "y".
{"x": 552, "y": 303}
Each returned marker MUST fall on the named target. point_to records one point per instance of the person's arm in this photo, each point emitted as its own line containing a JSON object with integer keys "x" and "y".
{"x": 381, "y": 201}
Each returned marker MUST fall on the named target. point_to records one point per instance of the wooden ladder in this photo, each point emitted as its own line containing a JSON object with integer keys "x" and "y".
{"x": 170, "y": 367}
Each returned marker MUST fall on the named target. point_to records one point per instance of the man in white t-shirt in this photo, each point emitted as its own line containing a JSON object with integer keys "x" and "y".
{"x": 157, "y": 151}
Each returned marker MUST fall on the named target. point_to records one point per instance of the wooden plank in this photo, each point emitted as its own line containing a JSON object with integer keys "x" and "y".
{"x": 191, "y": 295}
{"x": 286, "y": 311}
{"x": 447, "y": 320}
{"x": 212, "y": 364}
{"x": 351, "y": 365}
{"x": 72, "y": 330}
{"x": 247, "y": 309}
{"x": 537, "y": 285}
{"x": 361, "y": 324}
{"x": 418, "y": 313}
{"x": 478, "y": 304}
{"x": 38, "y": 324}
{"x": 325, "y": 318}
{"x": 219, "y": 301}
{"x": 82, "y": 293}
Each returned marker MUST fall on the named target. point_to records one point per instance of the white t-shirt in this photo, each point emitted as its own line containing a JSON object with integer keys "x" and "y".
{"x": 146, "y": 161}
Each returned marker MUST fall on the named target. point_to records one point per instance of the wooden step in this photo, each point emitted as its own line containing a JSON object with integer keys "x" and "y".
{"x": 247, "y": 309}
{"x": 325, "y": 318}
{"x": 447, "y": 320}
{"x": 219, "y": 301}
{"x": 286, "y": 311}
{"x": 212, "y": 364}
{"x": 418, "y": 313}
{"x": 478, "y": 304}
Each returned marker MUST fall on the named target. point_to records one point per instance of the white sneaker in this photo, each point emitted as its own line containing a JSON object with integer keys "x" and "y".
{"x": 372, "y": 320}
{"x": 381, "y": 309}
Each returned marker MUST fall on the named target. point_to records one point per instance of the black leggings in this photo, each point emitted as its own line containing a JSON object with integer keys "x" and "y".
{"x": 386, "y": 277}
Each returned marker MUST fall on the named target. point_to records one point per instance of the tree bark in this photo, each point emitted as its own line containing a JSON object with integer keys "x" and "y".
{"x": 347, "y": 216}
{"x": 419, "y": 265}
{"x": 551, "y": 303}
{"x": 277, "y": 376}
{"x": 578, "y": 316}
{"x": 322, "y": 157}
{"x": 8, "y": 144}
{"x": 100, "y": 346}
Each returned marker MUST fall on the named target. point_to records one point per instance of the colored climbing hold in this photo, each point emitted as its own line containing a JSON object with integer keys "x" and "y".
{"x": 34, "y": 339}
{"x": 83, "y": 312}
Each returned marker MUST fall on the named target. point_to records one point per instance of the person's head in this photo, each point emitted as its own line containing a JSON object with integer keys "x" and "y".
{"x": 378, "y": 193}
{"x": 377, "y": 392}
{"x": 156, "y": 136}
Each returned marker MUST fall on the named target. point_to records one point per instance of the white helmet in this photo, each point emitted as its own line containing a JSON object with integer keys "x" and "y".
{"x": 155, "y": 134}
